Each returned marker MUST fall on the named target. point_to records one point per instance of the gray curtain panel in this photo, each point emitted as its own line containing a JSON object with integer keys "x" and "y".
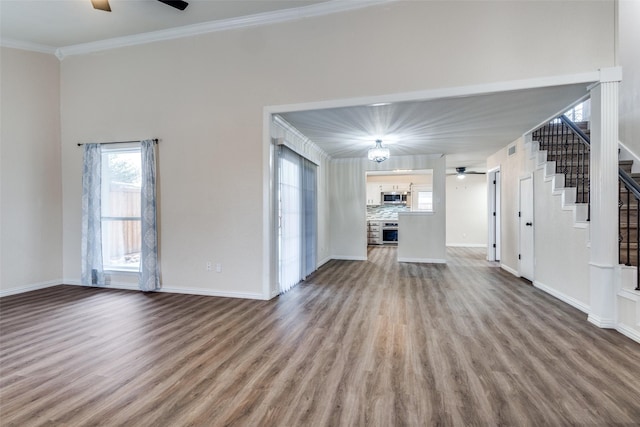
{"x": 149, "y": 267}
{"x": 92, "y": 272}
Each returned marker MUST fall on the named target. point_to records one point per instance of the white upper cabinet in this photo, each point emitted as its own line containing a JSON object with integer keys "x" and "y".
{"x": 373, "y": 194}
{"x": 398, "y": 188}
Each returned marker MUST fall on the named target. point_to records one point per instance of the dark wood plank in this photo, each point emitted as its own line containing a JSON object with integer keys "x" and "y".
{"x": 374, "y": 343}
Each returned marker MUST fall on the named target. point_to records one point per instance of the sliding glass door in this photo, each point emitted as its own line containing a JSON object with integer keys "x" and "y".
{"x": 297, "y": 218}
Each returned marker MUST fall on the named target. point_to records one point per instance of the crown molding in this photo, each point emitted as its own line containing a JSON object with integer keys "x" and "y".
{"x": 291, "y": 133}
{"x": 34, "y": 47}
{"x": 320, "y": 9}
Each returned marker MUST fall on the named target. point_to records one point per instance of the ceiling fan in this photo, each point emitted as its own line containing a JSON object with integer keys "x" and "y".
{"x": 104, "y": 4}
{"x": 461, "y": 172}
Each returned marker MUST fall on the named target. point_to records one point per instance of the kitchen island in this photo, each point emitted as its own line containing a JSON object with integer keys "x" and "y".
{"x": 421, "y": 238}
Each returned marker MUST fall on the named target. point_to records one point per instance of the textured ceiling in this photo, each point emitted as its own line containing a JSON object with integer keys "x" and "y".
{"x": 59, "y": 23}
{"x": 466, "y": 129}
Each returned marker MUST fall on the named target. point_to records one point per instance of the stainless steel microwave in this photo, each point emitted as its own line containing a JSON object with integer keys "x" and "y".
{"x": 394, "y": 198}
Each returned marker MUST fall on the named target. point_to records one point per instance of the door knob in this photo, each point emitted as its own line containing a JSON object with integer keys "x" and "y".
{"x": 529, "y": 224}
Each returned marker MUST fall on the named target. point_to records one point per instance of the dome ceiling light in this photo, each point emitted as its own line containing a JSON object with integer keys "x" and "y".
{"x": 378, "y": 153}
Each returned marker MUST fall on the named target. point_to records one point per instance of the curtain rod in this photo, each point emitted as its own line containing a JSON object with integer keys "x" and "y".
{"x": 80, "y": 144}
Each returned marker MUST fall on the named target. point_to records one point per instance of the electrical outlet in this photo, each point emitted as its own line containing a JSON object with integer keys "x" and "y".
{"x": 219, "y": 268}
{"x": 208, "y": 265}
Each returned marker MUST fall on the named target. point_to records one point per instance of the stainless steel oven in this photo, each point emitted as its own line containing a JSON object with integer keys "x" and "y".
{"x": 389, "y": 233}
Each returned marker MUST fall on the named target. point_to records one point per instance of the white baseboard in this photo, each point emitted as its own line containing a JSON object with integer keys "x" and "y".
{"x": 212, "y": 293}
{"x": 110, "y": 285}
{"x": 349, "y": 258}
{"x": 324, "y": 261}
{"x": 173, "y": 290}
{"x": 508, "y": 269}
{"x": 466, "y": 245}
{"x": 424, "y": 260}
{"x": 29, "y": 288}
{"x": 562, "y": 297}
{"x": 628, "y": 332}
{"x": 602, "y": 323}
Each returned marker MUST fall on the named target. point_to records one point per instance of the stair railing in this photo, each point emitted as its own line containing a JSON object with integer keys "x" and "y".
{"x": 629, "y": 191}
{"x": 582, "y": 176}
{"x": 568, "y": 146}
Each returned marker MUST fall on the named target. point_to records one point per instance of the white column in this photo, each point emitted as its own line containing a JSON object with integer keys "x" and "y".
{"x": 604, "y": 198}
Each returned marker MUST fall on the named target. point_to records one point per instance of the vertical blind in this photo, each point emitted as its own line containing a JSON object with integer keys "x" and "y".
{"x": 297, "y": 213}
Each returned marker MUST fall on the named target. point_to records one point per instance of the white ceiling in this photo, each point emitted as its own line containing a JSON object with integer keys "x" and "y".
{"x": 466, "y": 129}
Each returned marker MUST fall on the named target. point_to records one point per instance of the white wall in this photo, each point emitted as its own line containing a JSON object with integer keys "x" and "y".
{"x": 31, "y": 185}
{"x": 629, "y": 59}
{"x": 467, "y": 211}
{"x": 628, "y": 302}
{"x": 561, "y": 250}
{"x": 561, "y": 253}
{"x": 204, "y": 98}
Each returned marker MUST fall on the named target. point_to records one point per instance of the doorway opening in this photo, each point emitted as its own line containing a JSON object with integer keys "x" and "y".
{"x": 391, "y": 193}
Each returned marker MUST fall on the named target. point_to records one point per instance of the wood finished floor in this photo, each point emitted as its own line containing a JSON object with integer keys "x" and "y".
{"x": 374, "y": 343}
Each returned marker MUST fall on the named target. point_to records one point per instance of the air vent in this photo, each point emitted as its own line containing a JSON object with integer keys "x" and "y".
{"x": 512, "y": 150}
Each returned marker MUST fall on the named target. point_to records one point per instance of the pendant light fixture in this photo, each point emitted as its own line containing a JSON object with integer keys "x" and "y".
{"x": 378, "y": 153}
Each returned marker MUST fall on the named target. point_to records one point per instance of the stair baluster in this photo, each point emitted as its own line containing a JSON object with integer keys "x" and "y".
{"x": 629, "y": 186}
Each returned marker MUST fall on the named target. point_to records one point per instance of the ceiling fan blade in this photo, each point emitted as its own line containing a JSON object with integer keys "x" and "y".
{"x": 178, "y": 4}
{"x": 101, "y": 5}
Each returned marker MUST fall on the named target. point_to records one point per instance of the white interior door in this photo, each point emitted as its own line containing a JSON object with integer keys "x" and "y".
{"x": 526, "y": 256}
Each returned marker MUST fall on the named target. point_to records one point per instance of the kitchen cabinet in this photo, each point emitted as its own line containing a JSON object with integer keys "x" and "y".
{"x": 373, "y": 194}
{"x": 398, "y": 188}
{"x": 374, "y": 234}
{"x": 404, "y": 187}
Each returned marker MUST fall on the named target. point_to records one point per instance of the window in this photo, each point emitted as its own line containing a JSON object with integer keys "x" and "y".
{"x": 422, "y": 198}
{"x": 121, "y": 225}
{"x": 425, "y": 201}
{"x": 579, "y": 113}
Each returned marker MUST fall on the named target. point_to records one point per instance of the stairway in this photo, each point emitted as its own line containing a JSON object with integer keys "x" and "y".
{"x": 569, "y": 158}
{"x": 564, "y": 160}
